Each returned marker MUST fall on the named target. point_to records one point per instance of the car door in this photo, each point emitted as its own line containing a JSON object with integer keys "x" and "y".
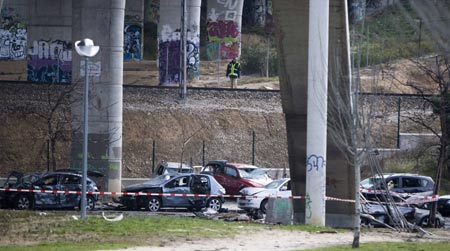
{"x": 232, "y": 180}
{"x": 219, "y": 175}
{"x": 48, "y": 182}
{"x": 178, "y": 185}
{"x": 70, "y": 183}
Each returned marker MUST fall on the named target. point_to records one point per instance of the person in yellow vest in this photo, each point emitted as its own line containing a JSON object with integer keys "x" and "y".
{"x": 233, "y": 72}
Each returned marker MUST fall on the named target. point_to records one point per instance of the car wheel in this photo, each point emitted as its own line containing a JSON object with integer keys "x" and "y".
{"x": 214, "y": 203}
{"x": 90, "y": 203}
{"x": 23, "y": 202}
{"x": 153, "y": 204}
{"x": 263, "y": 206}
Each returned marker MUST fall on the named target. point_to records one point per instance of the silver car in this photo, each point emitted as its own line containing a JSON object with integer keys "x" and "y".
{"x": 176, "y": 184}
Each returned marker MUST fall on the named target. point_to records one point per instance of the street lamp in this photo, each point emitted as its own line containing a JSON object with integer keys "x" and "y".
{"x": 86, "y": 49}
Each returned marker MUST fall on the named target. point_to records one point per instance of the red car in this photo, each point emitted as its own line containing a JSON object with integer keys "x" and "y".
{"x": 233, "y": 177}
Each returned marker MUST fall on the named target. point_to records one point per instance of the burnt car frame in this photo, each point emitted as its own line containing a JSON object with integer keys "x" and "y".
{"x": 55, "y": 181}
{"x": 175, "y": 184}
{"x": 376, "y": 205}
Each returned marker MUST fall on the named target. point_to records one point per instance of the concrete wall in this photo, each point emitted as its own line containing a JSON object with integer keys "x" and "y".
{"x": 50, "y": 41}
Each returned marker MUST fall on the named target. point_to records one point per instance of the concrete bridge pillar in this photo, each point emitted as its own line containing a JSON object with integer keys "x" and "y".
{"x": 169, "y": 40}
{"x": 224, "y": 29}
{"x": 103, "y": 22}
{"x": 292, "y": 28}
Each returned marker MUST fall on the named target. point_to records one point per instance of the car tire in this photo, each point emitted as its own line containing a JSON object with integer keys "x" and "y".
{"x": 23, "y": 202}
{"x": 90, "y": 203}
{"x": 153, "y": 204}
{"x": 214, "y": 203}
{"x": 263, "y": 206}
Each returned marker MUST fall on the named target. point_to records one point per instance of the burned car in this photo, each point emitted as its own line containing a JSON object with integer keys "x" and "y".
{"x": 381, "y": 208}
{"x": 55, "y": 181}
{"x": 188, "y": 183}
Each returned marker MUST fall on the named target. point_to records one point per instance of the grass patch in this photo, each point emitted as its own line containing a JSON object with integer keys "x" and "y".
{"x": 393, "y": 246}
{"x": 27, "y": 230}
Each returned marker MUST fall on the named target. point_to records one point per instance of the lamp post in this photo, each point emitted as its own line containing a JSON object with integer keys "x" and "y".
{"x": 86, "y": 49}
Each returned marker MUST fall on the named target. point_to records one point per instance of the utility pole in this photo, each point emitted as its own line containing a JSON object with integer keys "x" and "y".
{"x": 183, "y": 40}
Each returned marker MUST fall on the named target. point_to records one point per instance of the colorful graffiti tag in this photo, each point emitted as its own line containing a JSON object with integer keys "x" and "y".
{"x": 13, "y": 36}
{"x": 50, "y": 61}
{"x": 132, "y": 42}
{"x": 223, "y": 30}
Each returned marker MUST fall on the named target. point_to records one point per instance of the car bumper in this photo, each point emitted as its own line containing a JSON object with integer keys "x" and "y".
{"x": 248, "y": 204}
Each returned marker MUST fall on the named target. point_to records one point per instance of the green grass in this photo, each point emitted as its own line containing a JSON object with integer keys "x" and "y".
{"x": 27, "y": 230}
{"x": 394, "y": 246}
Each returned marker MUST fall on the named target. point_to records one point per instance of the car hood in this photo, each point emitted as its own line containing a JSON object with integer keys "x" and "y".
{"x": 253, "y": 190}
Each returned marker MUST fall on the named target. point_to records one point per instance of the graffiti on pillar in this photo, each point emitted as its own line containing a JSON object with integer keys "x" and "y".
{"x": 260, "y": 12}
{"x": 193, "y": 51}
{"x": 193, "y": 59}
{"x": 13, "y": 36}
{"x": 132, "y": 44}
{"x": 308, "y": 206}
{"x": 50, "y": 61}
{"x": 357, "y": 11}
{"x": 314, "y": 162}
{"x": 223, "y": 29}
{"x": 169, "y": 55}
{"x": 169, "y": 62}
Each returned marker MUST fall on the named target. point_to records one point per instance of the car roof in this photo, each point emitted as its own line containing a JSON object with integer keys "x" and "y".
{"x": 389, "y": 175}
{"x": 241, "y": 165}
{"x": 177, "y": 165}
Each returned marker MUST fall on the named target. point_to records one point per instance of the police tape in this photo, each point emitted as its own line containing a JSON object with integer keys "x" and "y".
{"x": 21, "y": 190}
{"x": 419, "y": 200}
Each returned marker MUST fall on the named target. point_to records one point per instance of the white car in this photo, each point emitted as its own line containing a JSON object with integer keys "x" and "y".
{"x": 281, "y": 187}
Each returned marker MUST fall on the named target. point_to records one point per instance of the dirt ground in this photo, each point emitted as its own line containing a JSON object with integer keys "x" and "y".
{"x": 283, "y": 240}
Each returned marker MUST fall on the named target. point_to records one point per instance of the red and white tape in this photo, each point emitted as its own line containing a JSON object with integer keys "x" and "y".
{"x": 421, "y": 199}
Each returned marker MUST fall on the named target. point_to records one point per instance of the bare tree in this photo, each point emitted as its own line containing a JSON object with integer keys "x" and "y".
{"x": 433, "y": 86}
{"x": 57, "y": 116}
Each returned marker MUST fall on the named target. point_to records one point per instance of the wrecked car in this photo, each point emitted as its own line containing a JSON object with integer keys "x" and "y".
{"x": 381, "y": 208}
{"x": 233, "y": 177}
{"x": 257, "y": 196}
{"x": 175, "y": 184}
{"x": 172, "y": 167}
{"x": 57, "y": 181}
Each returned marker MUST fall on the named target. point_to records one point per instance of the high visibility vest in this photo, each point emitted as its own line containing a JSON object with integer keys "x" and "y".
{"x": 232, "y": 70}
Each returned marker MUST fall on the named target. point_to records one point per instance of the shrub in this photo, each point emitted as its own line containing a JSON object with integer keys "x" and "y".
{"x": 253, "y": 57}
